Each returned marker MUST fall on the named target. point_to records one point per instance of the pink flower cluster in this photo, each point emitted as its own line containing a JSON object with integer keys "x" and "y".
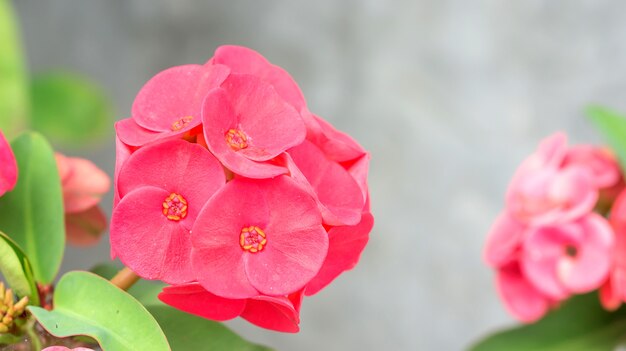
{"x": 228, "y": 188}
{"x": 549, "y": 243}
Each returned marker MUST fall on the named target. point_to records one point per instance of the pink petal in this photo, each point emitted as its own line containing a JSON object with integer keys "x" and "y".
{"x": 146, "y": 241}
{"x": 543, "y": 249}
{"x": 589, "y": 269}
{"x": 242, "y": 60}
{"x": 503, "y": 240}
{"x": 340, "y": 196}
{"x": 601, "y": 162}
{"x": 122, "y": 153}
{"x": 8, "y": 172}
{"x": 272, "y": 125}
{"x": 359, "y": 170}
{"x": 132, "y": 134}
{"x": 345, "y": 245}
{"x": 176, "y": 93}
{"x": 84, "y": 184}
{"x": 521, "y": 299}
{"x": 178, "y": 167}
{"x": 63, "y": 348}
{"x": 274, "y": 313}
{"x": 336, "y": 145}
{"x": 193, "y": 298}
{"x": 85, "y": 228}
{"x": 217, "y": 255}
{"x": 297, "y": 243}
{"x": 219, "y": 117}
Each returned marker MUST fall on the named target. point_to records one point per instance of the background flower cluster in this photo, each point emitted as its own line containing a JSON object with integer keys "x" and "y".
{"x": 552, "y": 239}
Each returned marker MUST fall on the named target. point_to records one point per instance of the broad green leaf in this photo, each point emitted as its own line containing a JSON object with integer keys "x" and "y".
{"x": 13, "y": 87}
{"x": 580, "y": 324}
{"x": 184, "y": 331}
{"x": 613, "y": 126}
{"x": 33, "y": 212}
{"x": 86, "y": 304}
{"x": 16, "y": 269}
{"x": 70, "y": 110}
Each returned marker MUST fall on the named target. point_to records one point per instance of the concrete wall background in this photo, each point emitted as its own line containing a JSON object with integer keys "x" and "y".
{"x": 449, "y": 95}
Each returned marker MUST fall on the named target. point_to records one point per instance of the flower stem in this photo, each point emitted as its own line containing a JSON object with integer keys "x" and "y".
{"x": 125, "y": 278}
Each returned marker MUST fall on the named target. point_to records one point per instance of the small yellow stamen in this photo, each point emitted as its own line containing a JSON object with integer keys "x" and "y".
{"x": 236, "y": 139}
{"x": 252, "y": 239}
{"x": 181, "y": 123}
{"x": 175, "y": 207}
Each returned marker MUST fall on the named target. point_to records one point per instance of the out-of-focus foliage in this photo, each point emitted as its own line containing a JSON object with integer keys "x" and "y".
{"x": 32, "y": 214}
{"x": 580, "y": 324}
{"x": 613, "y": 126}
{"x": 70, "y": 110}
{"x": 14, "y": 100}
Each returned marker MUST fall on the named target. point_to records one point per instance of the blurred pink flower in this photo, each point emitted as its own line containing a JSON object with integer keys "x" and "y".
{"x": 520, "y": 297}
{"x": 163, "y": 188}
{"x": 569, "y": 258}
{"x": 63, "y": 348}
{"x": 8, "y": 173}
{"x": 543, "y": 192}
{"x": 504, "y": 240}
{"x": 83, "y": 185}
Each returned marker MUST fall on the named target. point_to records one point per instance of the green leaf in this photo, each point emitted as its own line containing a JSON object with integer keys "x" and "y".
{"x": 184, "y": 331}
{"x": 16, "y": 269}
{"x": 613, "y": 126}
{"x": 33, "y": 212}
{"x": 14, "y": 101}
{"x": 86, "y": 304}
{"x": 580, "y": 324}
{"x": 70, "y": 109}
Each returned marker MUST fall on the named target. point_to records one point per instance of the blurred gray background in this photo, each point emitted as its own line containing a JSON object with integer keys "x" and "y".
{"x": 449, "y": 96}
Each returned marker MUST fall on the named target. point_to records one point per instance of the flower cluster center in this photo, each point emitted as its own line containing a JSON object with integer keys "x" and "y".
{"x": 236, "y": 139}
{"x": 252, "y": 239}
{"x": 181, "y": 123}
{"x": 175, "y": 207}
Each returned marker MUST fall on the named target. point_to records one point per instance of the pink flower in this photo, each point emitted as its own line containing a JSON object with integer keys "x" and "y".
{"x": 613, "y": 292}
{"x": 258, "y": 237}
{"x": 600, "y": 161}
{"x": 247, "y": 124}
{"x": 169, "y": 105}
{"x": 345, "y": 244}
{"x": 568, "y": 258}
{"x": 279, "y": 313}
{"x": 63, "y": 348}
{"x": 543, "y": 192}
{"x": 8, "y": 173}
{"x": 520, "y": 297}
{"x": 243, "y": 60}
{"x": 83, "y": 185}
{"x": 162, "y": 187}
